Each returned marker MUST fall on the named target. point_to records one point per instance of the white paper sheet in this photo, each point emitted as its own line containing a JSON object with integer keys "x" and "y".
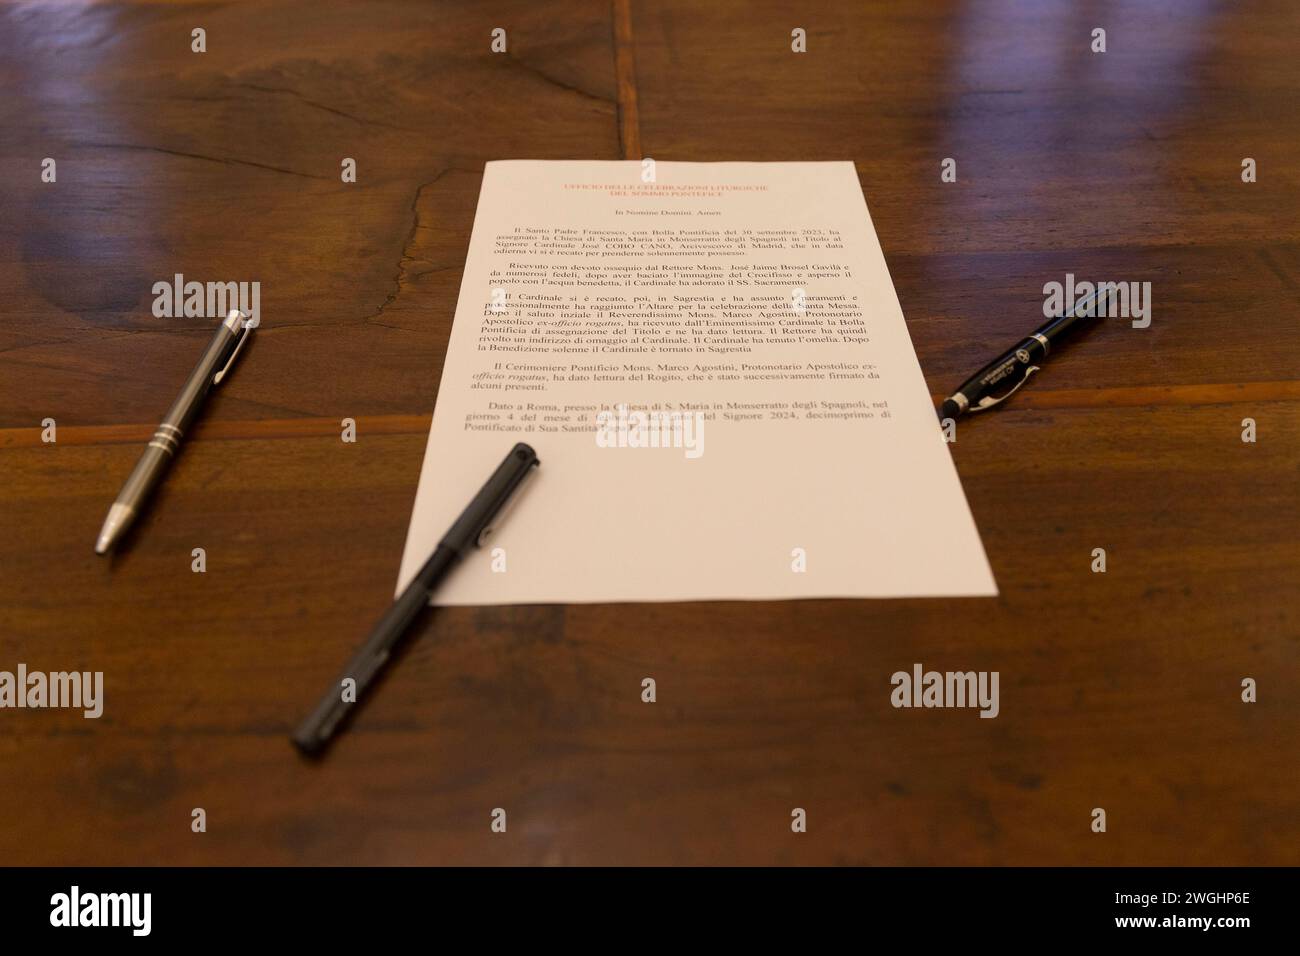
{"x": 753, "y": 294}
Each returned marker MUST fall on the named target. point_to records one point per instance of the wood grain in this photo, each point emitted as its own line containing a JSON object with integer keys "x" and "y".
{"x": 629, "y": 117}
{"x": 1118, "y": 690}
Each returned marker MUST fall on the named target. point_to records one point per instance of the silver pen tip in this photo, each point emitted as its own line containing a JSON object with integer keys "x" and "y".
{"x": 119, "y": 516}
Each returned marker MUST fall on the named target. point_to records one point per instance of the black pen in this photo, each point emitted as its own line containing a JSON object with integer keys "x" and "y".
{"x": 158, "y": 454}
{"x": 1014, "y": 365}
{"x": 474, "y": 525}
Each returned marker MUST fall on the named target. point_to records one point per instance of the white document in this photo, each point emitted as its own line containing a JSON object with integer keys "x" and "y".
{"x": 712, "y": 365}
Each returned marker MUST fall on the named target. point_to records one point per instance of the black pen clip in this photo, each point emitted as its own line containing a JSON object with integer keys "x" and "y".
{"x": 494, "y": 525}
{"x": 988, "y": 401}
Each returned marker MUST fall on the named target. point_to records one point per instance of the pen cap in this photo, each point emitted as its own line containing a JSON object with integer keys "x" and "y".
{"x": 492, "y": 497}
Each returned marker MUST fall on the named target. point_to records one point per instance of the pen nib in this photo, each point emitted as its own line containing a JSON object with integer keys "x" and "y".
{"x": 119, "y": 516}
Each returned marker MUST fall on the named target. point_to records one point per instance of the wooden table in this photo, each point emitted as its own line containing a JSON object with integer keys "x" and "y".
{"x": 1119, "y": 690}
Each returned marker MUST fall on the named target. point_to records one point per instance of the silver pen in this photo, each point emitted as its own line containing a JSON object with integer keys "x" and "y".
{"x": 158, "y": 454}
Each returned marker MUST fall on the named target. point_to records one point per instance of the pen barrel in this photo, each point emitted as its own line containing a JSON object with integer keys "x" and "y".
{"x": 401, "y": 614}
{"x": 166, "y": 439}
{"x": 1009, "y": 365}
{"x": 148, "y": 471}
{"x": 186, "y": 407}
{"x": 1059, "y": 326}
{"x": 315, "y": 732}
{"x": 1092, "y": 306}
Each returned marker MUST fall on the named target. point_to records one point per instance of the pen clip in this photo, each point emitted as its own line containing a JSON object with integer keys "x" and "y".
{"x": 988, "y": 401}
{"x": 247, "y": 330}
{"x": 506, "y": 508}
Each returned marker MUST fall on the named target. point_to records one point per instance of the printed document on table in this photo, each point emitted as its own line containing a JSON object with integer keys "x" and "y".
{"x": 712, "y": 365}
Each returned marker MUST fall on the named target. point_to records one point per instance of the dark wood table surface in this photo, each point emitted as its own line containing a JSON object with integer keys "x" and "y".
{"x": 1119, "y": 690}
